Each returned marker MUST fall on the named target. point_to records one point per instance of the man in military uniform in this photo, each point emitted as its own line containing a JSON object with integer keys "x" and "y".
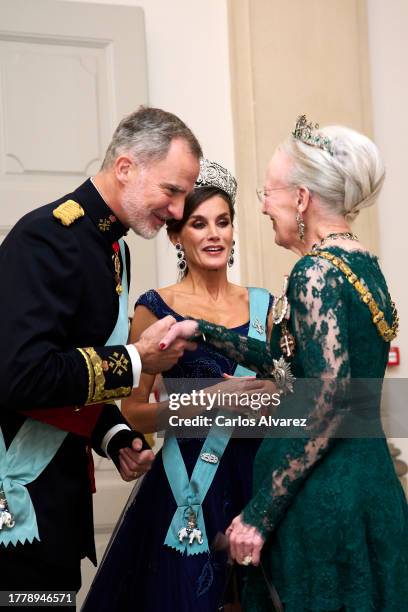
{"x": 63, "y": 344}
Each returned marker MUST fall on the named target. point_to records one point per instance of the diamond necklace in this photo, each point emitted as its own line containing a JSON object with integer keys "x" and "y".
{"x": 334, "y": 236}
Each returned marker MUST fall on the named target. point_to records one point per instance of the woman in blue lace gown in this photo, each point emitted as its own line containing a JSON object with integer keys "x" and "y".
{"x": 140, "y": 572}
{"x": 328, "y": 513}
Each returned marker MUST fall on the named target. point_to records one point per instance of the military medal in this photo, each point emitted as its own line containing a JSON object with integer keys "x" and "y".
{"x": 191, "y": 531}
{"x": 116, "y": 261}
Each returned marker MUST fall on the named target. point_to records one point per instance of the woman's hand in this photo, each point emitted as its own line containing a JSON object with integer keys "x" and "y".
{"x": 231, "y": 390}
{"x": 267, "y": 385}
{"x": 183, "y": 330}
{"x": 256, "y": 387}
{"x": 245, "y": 542}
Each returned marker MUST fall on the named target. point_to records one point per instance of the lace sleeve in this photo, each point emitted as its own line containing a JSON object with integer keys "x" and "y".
{"x": 320, "y": 325}
{"x": 253, "y": 354}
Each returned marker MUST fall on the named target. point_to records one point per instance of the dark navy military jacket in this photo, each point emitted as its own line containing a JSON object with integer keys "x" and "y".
{"x": 59, "y": 295}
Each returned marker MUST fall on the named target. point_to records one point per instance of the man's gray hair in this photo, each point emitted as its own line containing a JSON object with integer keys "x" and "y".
{"x": 147, "y": 135}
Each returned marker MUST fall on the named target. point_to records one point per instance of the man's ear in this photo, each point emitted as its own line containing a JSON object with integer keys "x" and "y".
{"x": 123, "y": 167}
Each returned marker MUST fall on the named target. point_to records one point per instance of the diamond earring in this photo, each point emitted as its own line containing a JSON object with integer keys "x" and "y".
{"x": 231, "y": 255}
{"x": 301, "y": 226}
{"x": 181, "y": 258}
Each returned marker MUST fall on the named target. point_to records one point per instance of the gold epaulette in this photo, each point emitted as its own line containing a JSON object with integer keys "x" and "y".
{"x": 68, "y": 212}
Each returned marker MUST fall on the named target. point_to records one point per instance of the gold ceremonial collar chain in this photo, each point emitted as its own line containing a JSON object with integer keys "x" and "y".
{"x": 386, "y": 331}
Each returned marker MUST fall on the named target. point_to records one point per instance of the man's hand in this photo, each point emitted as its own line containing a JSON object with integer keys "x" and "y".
{"x": 154, "y": 358}
{"x": 133, "y": 462}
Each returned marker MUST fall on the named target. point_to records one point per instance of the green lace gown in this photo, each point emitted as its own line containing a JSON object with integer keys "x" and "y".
{"x": 331, "y": 509}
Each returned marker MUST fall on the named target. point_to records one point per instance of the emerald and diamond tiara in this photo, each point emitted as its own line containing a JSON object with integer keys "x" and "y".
{"x": 305, "y": 132}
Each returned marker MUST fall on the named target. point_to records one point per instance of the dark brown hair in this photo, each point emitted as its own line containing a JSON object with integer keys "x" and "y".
{"x": 193, "y": 201}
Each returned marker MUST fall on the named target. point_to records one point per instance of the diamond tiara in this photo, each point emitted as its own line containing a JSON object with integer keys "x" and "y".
{"x": 214, "y": 175}
{"x": 304, "y": 131}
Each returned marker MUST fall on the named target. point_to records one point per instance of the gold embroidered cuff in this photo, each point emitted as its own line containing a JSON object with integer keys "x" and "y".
{"x": 99, "y": 376}
{"x": 91, "y": 376}
{"x": 96, "y": 377}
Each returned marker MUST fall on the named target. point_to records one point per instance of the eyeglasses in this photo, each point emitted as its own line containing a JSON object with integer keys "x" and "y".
{"x": 263, "y": 193}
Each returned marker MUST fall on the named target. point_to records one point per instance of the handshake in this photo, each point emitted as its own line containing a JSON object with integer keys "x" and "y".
{"x": 162, "y": 344}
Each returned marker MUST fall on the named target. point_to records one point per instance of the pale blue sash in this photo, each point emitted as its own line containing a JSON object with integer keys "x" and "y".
{"x": 120, "y": 333}
{"x": 35, "y": 445}
{"x": 190, "y": 494}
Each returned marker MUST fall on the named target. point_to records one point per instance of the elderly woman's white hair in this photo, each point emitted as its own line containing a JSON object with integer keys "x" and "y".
{"x": 347, "y": 179}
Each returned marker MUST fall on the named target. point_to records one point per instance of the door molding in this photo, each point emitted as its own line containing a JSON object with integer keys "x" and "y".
{"x": 289, "y": 58}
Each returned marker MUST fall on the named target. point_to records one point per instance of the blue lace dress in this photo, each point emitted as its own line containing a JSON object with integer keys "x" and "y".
{"x": 139, "y": 573}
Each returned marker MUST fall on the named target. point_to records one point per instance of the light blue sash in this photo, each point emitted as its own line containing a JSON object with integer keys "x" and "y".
{"x": 120, "y": 333}
{"x": 190, "y": 494}
{"x": 36, "y": 444}
{"x": 258, "y": 312}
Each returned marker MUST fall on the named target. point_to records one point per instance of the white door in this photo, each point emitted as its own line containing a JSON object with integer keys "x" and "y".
{"x": 68, "y": 73}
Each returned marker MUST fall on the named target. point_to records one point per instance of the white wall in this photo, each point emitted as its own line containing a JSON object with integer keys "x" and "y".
{"x": 188, "y": 71}
{"x": 388, "y": 23}
{"x": 188, "y": 67}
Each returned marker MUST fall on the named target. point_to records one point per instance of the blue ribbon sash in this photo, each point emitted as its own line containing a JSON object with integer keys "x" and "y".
{"x": 120, "y": 333}
{"x": 190, "y": 494}
{"x": 35, "y": 445}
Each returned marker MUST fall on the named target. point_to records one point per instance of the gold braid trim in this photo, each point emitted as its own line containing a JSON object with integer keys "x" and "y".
{"x": 91, "y": 375}
{"x": 117, "y": 393}
{"x": 99, "y": 393}
{"x": 96, "y": 362}
{"x": 386, "y": 332}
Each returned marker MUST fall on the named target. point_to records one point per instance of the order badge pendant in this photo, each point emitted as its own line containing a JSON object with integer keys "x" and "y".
{"x": 280, "y": 305}
{"x": 283, "y": 376}
{"x": 6, "y": 518}
{"x": 287, "y": 345}
{"x": 191, "y": 532}
{"x": 287, "y": 342}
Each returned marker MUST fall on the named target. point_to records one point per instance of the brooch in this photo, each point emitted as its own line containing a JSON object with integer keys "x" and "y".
{"x": 260, "y": 328}
{"x": 209, "y": 457}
